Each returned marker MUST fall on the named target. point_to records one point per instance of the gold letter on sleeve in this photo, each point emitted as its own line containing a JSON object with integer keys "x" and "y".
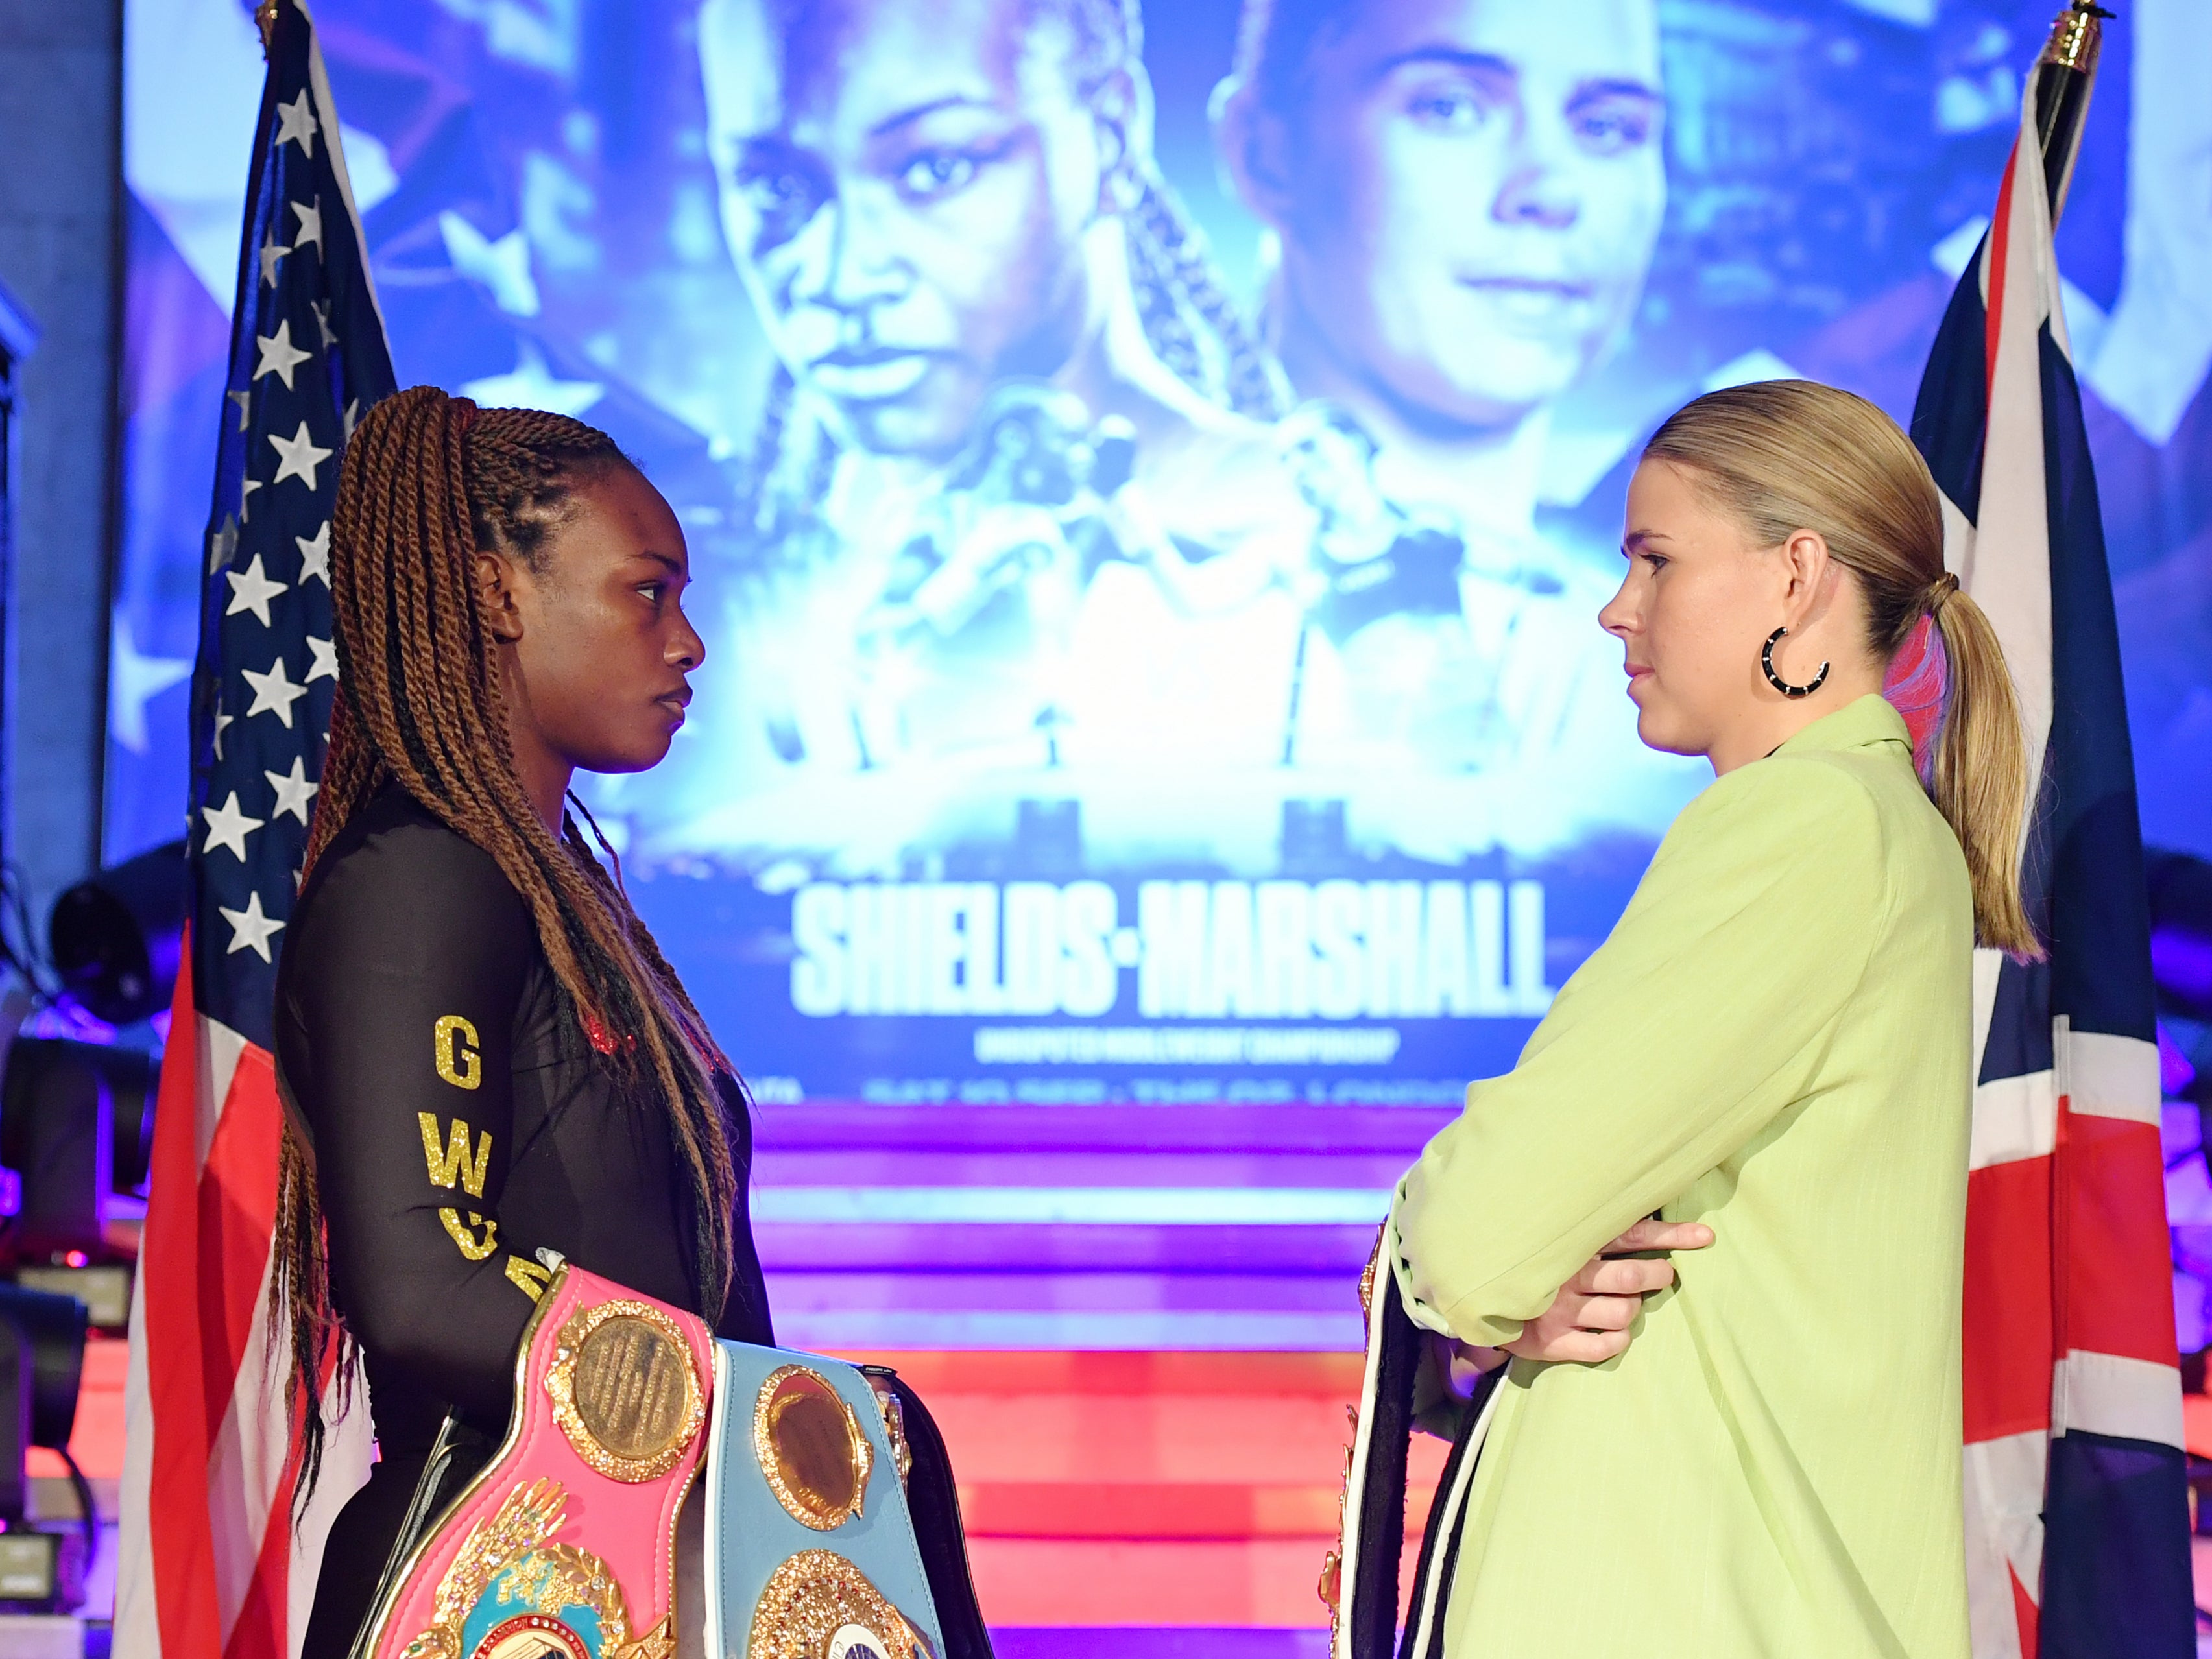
{"x": 453, "y": 1046}
{"x": 467, "y": 1241}
{"x": 528, "y": 1277}
{"x": 451, "y": 1161}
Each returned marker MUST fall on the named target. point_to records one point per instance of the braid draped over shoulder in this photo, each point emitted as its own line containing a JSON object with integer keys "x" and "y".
{"x": 426, "y": 483}
{"x": 1193, "y": 326}
{"x": 1191, "y": 323}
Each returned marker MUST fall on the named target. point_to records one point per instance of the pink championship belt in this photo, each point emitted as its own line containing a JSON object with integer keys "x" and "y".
{"x": 564, "y": 1547}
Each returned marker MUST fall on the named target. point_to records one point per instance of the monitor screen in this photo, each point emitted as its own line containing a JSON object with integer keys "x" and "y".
{"x": 1151, "y": 481}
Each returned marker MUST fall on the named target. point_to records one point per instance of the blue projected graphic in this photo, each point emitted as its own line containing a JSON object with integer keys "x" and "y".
{"x": 1151, "y": 495}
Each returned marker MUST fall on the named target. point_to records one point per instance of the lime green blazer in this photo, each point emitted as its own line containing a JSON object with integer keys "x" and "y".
{"x": 1776, "y": 1040}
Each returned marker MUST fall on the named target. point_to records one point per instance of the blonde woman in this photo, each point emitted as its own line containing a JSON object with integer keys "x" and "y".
{"x": 1775, "y": 1042}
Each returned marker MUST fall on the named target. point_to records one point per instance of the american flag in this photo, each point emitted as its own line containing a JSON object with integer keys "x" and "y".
{"x": 2076, "y": 1506}
{"x": 211, "y": 1563}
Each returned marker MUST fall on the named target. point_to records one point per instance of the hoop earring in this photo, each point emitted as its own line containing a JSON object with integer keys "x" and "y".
{"x": 1766, "y": 665}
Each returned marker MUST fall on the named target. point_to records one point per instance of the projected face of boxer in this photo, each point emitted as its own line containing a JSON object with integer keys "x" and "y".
{"x": 905, "y": 185}
{"x": 1467, "y": 193}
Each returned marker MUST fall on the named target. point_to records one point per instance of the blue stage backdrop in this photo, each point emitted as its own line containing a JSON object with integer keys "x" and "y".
{"x": 1152, "y": 481}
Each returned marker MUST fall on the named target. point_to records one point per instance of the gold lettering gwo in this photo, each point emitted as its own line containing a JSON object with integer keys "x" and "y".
{"x": 451, "y": 1161}
{"x": 453, "y": 1047}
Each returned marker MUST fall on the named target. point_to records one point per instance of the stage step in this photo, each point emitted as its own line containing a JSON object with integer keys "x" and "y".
{"x": 1059, "y": 1642}
{"x": 1122, "y": 1227}
{"x": 1138, "y": 1326}
{"x": 1107, "y": 1495}
{"x": 1176, "y": 1459}
{"x": 1335, "y": 1130}
{"x": 1150, "y": 1490}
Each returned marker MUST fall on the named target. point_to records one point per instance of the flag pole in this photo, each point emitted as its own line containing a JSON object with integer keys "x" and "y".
{"x": 2065, "y": 74}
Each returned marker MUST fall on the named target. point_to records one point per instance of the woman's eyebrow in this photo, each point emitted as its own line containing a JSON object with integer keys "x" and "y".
{"x": 1458, "y": 58}
{"x": 753, "y": 148}
{"x": 1615, "y": 87}
{"x": 906, "y": 118}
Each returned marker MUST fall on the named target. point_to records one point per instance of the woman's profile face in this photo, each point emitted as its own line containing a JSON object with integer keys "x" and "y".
{"x": 604, "y": 650}
{"x": 1697, "y": 605}
{"x": 1478, "y": 189}
{"x": 905, "y": 185}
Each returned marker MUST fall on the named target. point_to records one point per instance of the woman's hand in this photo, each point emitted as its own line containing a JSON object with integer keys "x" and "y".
{"x": 1589, "y": 1321}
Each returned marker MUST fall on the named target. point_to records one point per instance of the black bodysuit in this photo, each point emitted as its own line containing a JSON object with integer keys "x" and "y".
{"x": 461, "y": 1123}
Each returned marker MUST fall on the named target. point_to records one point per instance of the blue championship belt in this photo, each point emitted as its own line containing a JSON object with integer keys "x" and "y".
{"x": 811, "y": 1551}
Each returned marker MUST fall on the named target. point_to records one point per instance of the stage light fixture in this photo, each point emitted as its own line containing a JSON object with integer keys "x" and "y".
{"x": 2181, "y": 930}
{"x": 116, "y": 939}
{"x": 42, "y": 1339}
{"x": 75, "y": 1125}
{"x": 2181, "y": 962}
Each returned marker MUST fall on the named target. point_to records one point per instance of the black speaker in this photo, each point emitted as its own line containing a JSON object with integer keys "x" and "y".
{"x": 41, "y": 1363}
{"x": 18, "y": 1389}
{"x": 52, "y": 1328}
{"x": 75, "y": 1125}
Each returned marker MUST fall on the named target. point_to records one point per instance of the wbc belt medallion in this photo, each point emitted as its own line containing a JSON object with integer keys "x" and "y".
{"x": 563, "y": 1546}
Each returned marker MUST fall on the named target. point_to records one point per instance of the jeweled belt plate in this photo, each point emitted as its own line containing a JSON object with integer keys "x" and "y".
{"x": 811, "y": 1551}
{"x": 563, "y": 1547}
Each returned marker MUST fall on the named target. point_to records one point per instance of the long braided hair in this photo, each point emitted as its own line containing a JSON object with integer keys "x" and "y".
{"x": 427, "y": 482}
{"x": 1190, "y": 322}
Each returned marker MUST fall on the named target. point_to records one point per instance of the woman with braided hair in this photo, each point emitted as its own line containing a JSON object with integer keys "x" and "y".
{"x": 489, "y": 1065}
{"x": 926, "y": 200}
{"x": 935, "y": 204}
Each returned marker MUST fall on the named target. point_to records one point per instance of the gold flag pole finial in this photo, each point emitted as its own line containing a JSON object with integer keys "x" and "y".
{"x": 2065, "y": 74}
{"x": 2077, "y": 35}
{"x": 265, "y": 16}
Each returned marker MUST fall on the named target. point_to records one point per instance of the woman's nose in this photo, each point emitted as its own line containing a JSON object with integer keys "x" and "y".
{"x": 685, "y": 649}
{"x": 847, "y": 264}
{"x": 1539, "y": 188}
{"x": 1618, "y": 615}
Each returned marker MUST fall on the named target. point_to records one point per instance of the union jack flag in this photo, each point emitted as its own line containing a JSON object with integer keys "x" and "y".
{"x": 211, "y": 1565}
{"x": 2077, "y": 1527}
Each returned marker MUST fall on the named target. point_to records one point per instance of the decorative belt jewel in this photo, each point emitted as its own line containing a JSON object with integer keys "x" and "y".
{"x": 809, "y": 1545}
{"x": 564, "y": 1545}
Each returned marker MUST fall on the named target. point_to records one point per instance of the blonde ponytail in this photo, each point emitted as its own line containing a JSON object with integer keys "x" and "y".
{"x": 1783, "y": 456}
{"x": 1980, "y": 778}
